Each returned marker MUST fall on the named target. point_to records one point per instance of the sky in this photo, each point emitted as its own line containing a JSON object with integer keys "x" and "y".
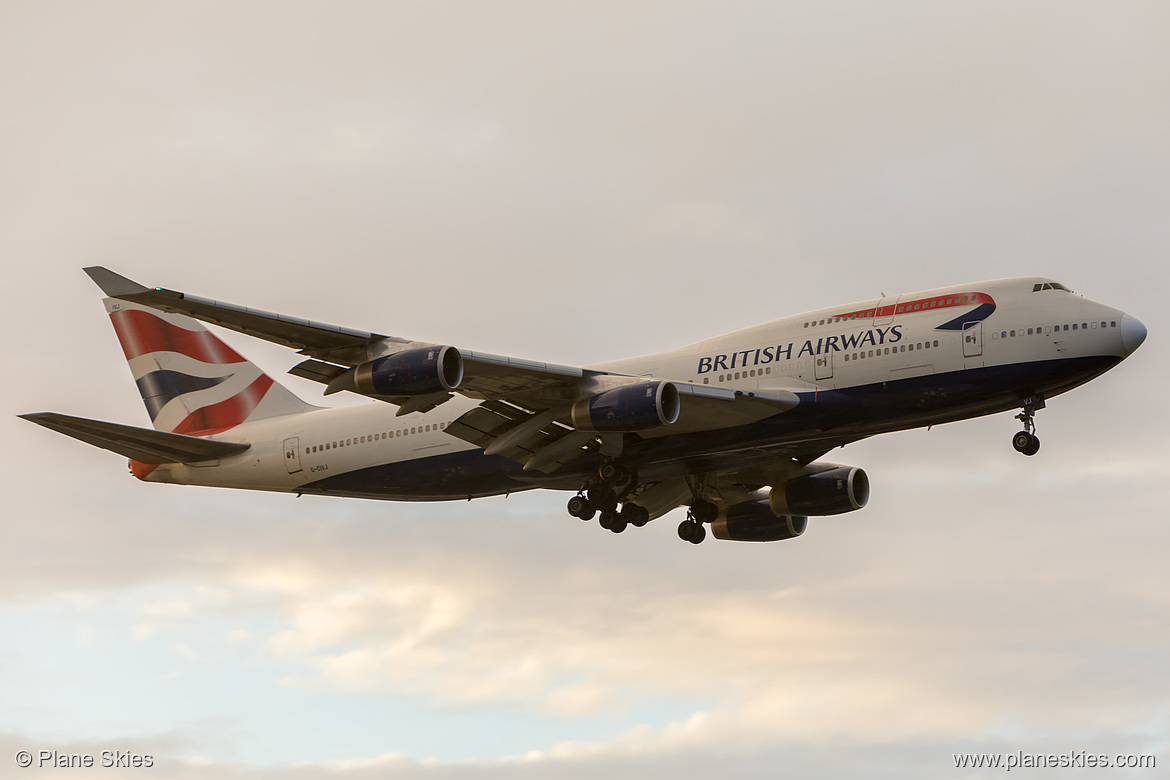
{"x": 571, "y": 185}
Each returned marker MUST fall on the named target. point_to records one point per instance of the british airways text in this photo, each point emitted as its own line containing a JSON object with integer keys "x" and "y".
{"x": 765, "y": 355}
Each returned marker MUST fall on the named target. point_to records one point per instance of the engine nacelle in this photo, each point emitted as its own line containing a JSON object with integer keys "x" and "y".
{"x": 831, "y": 492}
{"x": 636, "y": 407}
{"x": 753, "y": 521}
{"x": 418, "y": 371}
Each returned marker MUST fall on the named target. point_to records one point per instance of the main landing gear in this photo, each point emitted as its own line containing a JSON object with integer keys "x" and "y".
{"x": 692, "y": 530}
{"x": 1026, "y": 441}
{"x": 602, "y": 495}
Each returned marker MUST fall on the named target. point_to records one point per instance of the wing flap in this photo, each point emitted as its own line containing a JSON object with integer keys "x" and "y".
{"x": 140, "y": 444}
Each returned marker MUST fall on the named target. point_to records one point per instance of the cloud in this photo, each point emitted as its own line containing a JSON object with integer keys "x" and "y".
{"x": 574, "y": 188}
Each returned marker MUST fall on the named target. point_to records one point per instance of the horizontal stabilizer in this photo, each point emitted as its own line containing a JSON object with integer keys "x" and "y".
{"x": 140, "y": 444}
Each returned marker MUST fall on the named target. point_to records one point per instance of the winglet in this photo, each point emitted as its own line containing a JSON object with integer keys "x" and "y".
{"x": 112, "y": 284}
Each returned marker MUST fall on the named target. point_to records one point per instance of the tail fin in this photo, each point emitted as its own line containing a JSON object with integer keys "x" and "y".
{"x": 191, "y": 382}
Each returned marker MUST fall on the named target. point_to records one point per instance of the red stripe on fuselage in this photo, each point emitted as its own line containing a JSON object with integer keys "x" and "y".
{"x": 226, "y": 414}
{"x": 141, "y": 333}
{"x": 934, "y": 302}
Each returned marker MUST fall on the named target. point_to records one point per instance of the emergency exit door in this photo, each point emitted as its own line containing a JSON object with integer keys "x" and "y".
{"x": 972, "y": 339}
{"x": 292, "y": 455}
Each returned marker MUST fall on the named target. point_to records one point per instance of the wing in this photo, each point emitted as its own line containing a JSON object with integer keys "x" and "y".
{"x": 526, "y": 410}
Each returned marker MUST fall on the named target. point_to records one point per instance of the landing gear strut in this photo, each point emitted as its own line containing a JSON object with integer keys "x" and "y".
{"x": 1026, "y": 441}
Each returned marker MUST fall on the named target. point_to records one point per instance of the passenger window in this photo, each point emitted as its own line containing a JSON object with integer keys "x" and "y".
{"x": 1094, "y": 325}
{"x": 1113, "y": 323}
{"x": 1084, "y": 325}
{"x": 768, "y": 370}
{"x": 1074, "y": 326}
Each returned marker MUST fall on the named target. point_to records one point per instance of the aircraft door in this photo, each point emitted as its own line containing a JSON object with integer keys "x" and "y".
{"x": 972, "y": 339}
{"x": 824, "y": 366}
{"x": 885, "y": 310}
{"x": 292, "y": 455}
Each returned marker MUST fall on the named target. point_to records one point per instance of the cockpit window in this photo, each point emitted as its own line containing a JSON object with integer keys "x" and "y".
{"x": 1049, "y": 286}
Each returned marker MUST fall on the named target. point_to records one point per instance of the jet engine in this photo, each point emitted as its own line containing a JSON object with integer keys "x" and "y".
{"x": 835, "y": 490}
{"x": 753, "y": 521}
{"x": 418, "y": 371}
{"x": 635, "y": 407}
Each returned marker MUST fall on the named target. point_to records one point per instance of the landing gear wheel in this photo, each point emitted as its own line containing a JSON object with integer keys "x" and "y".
{"x": 637, "y": 516}
{"x": 690, "y": 531}
{"x": 618, "y": 525}
{"x": 612, "y": 473}
{"x": 1026, "y": 442}
{"x": 578, "y": 506}
{"x": 607, "y": 519}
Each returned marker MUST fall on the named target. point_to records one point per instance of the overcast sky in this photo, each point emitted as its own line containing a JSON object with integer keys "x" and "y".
{"x": 575, "y": 185}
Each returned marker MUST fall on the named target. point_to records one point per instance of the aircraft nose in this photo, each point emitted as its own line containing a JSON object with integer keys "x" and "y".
{"x": 1133, "y": 333}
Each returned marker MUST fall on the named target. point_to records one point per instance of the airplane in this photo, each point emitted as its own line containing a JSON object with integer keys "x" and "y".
{"x": 732, "y": 427}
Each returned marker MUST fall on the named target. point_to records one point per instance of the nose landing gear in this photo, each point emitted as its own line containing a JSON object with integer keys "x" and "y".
{"x": 1026, "y": 441}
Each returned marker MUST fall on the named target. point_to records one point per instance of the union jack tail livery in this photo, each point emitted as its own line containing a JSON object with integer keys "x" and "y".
{"x": 192, "y": 382}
